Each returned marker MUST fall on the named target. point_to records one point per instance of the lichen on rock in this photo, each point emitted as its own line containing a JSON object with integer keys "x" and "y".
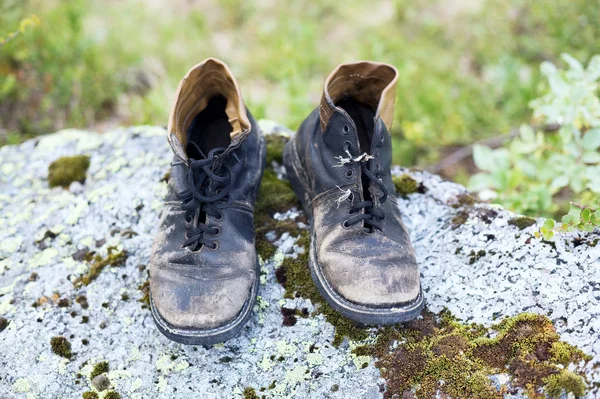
{"x": 52, "y": 238}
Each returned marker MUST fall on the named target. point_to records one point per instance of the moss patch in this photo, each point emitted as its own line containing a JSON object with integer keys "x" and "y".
{"x": 98, "y": 263}
{"x": 112, "y": 395}
{"x": 297, "y": 282}
{"x": 275, "y": 144}
{"x": 564, "y": 381}
{"x": 90, "y": 395}
{"x": 3, "y": 324}
{"x": 98, "y": 369}
{"x": 66, "y": 170}
{"x": 522, "y": 222}
{"x": 250, "y": 393}
{"x": 465, "y": 200}
{"x": 61, "y": 347}
{"x": 405, "y": 185}
{"x": 274, "y": 195}
{"x": 438, "y": 353}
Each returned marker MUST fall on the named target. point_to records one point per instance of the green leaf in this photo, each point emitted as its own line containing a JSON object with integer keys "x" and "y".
{"x": 586, "y": 215}
{"x": 548, "y": 235}
{"x": 591, "y": 139}
{"x": 483, "y": 157}
{"x": 575, "y": 214}
{"x": 549, "y": 224}
{"x": 573, "y": 63}
{"x": 559, "y": 182}
{"x": 591, "y": 157}
{"x": 527, "y": 133}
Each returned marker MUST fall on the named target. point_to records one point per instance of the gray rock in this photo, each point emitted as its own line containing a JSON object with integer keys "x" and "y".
{"x": 119, "y": 203}
{"x": 101, "y": 382}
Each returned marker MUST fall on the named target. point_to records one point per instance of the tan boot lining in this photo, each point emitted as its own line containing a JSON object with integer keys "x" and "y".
{"x": 205, "y": 80}
{"x": 371, "y": 83}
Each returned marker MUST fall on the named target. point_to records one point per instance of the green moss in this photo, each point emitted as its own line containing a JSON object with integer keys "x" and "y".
{"x": 98, "y": 369}
{"x": 90, "y": 395}
{"x": 298, "y": 283}
{"x": 66, "y": 170}
{"x": 405, "y": 185}
{"x": 250, "y": 393}
{"x": 275, "y": 144}
{"x": 475, "y": 256}
{"x": 61, "y": 347}
{"x": 564, "y": 381}
{"x": 112, "y": 395}
{"x": 465, "y": 200}
{"x": 440, "y": 354}
{"x": 114, "y": 258}
{"x": 274, "y": 195}
{"x": 522, "y": 222}
{"x": 563, "y": 353}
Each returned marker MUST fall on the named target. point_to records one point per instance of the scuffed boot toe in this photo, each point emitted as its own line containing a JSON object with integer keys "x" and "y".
{"x": 201, "y": 312}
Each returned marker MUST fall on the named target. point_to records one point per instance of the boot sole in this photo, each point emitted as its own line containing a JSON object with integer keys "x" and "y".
{"x": 223, "y": 333}
{"x": 359, "y": 313}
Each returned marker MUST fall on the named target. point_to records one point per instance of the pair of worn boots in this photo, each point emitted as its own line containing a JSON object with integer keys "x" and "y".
{"x": 204, "y": 270}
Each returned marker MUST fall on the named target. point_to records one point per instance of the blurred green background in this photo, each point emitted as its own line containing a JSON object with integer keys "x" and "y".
{"x": 468, "y": 68}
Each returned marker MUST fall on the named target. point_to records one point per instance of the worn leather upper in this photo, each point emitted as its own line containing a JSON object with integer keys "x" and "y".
{"x": 377, "y": 268}
{"x": 207, "y": 288}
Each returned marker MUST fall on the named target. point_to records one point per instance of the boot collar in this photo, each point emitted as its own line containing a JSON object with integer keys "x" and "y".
{"x": 371, "y": 83}
{"x": 208, "y": 78}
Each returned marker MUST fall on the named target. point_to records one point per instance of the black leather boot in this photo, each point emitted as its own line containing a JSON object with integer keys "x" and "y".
{"x": 338, "y": 163}
{"x": 204, "y": 270}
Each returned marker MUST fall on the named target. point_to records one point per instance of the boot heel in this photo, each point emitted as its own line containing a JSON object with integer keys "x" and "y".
{"x": 291, "y": 164}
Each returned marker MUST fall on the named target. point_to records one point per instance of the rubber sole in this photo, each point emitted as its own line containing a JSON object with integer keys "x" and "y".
{"x": 221, "y": 334}
{"x": 359, "y": 313}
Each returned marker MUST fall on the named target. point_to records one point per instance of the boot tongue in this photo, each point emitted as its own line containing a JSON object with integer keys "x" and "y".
{"x": 370, "y": 83}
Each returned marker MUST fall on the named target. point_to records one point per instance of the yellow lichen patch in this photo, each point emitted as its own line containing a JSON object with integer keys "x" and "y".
{"x": 439, "y": 354}
{"x": 67, "y": 170}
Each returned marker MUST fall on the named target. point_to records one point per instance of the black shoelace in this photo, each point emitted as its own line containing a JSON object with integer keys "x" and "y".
{"x": 372, "y": 211}
{"x": 209, "y": 183}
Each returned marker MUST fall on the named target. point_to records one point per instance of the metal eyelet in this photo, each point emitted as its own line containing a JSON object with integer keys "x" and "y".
{"x": 345, "y": 224}
{"x": 346, "y": 129}
{"x": 381, "y": 139}
{"x": 349, "y": 173}
{"x": 219, "y": 218}
{"x": 217, "y": 231}
{"x": 376, "y": 152}
{"x": 347, "y": 146}
{"x": 215, "y": 246}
